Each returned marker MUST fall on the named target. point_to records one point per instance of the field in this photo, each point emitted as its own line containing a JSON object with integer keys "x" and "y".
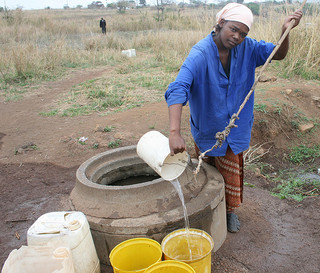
{"x": 61, "y": 79}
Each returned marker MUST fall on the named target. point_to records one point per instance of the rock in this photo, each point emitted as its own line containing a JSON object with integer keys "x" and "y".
{"x": 305, "y": 127}
{"x": 260, "y": 151}
{"x": 316, "y": 100}
{"x": 29, "y": 146}
{"x": 98, "y": 128}
{"x": 267, "y": 79}
{"x": 257, "y": 171}
{"x": 288, "y": 91}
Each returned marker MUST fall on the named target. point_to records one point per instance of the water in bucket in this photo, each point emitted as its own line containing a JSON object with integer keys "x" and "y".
{"x": 175, "y": 247}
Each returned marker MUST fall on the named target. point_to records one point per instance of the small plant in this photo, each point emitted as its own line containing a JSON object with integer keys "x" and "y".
{"x": 108, "y": 128}
{"x": 277, "y": 108}
{"x": 114, "y": 144}
{"x": 303, "y": 154}
{"x": 297, "y": 91}
{"x": 295, "y": 124}
{"x": 95, "y": 146}
{"x": 34, "y": 147}
{"x": 249, "y": 185}
{"x": 261, "y": 107}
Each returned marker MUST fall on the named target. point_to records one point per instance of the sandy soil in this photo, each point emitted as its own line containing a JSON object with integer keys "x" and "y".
{"x": 40, "y": 155}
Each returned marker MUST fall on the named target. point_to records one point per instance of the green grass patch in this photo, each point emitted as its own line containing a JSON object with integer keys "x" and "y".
{"x": 116, "y": 93}
{"x": 155, "y": 82}
{"x": 302, "y": 154}
{"x": 51, "y": 113}
{"x": 76, "y": 110}
{"x": 93, "y": 96}
{"x": 296, "y": 188}
{"x": 12, "y": 92}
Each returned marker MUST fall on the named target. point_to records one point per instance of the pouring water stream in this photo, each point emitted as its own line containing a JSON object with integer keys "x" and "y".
{"x": 177, "y": 186}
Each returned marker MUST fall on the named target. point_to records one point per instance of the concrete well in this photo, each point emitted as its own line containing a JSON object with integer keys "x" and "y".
{"x": 120, "y": 208}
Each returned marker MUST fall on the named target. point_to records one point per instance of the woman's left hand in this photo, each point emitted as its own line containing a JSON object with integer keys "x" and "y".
{"x": 296, "y": 16}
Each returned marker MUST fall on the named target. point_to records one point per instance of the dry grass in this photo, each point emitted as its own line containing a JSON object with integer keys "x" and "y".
{"x": 37, "y": 45}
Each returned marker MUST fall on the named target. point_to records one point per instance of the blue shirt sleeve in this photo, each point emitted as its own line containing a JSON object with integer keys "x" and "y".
{"x": 178, "y": 91}
{"x": 263, "y": 51}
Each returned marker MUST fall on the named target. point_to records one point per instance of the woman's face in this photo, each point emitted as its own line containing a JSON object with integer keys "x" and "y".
{"x": 232, "y": 33}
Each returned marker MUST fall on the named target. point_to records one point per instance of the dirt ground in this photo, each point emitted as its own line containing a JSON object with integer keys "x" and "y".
{"x": 39, "y": 157}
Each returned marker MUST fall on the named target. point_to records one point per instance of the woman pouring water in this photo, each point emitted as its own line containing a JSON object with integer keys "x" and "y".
{"x": 215, "y": 78}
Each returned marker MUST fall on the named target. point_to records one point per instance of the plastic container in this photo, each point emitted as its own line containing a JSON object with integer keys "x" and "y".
{"x": 153, "y": 148}
{"x": 135, "y": 255}
{"x": 129, "y": 52}
{"x": 70, "y": 229}
{"x": 39, "y": 259}
{"x": 175, "y": 246}
{"x": 170, "y": 267}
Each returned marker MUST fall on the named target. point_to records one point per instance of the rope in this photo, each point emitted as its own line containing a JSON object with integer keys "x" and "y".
{"x": 221, "y": 136}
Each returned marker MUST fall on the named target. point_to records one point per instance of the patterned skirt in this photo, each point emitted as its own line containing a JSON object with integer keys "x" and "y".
{"x": 231, "y": 168}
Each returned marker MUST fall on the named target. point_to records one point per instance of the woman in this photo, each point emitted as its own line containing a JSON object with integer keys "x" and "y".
{"x": 215, "y": 78}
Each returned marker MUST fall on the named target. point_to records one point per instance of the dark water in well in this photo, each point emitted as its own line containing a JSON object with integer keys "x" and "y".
{"x": 132, "y": 180}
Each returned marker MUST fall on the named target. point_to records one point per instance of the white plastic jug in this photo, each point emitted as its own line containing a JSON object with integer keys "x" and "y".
{"x": 129, "y": 52}
{"x": 153, "y": 148}
{"x": 70, "y": 229}
{"x": 39, "y": 259}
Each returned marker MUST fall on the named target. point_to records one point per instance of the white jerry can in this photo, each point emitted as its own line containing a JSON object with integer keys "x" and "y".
{"x": 67, "y": 229}
{"x": 39, "y": 259}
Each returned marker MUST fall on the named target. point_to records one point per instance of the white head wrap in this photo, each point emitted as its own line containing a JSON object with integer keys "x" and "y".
{"x": 236, "y": 12}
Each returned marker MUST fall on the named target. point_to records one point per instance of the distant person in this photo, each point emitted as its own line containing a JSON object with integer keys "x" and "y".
{"x": 215, "y": 78}
{"x": 103, "y": 25}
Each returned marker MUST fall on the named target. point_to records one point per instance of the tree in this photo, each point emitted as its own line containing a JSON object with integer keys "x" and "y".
{"x": 122, "y": 5}
{"x": 112, "y": 6}
{"x": 143, "y": 2}
{"x": 255, "y": 8}
{"x": 160, "y": 7}
{"x": 96, "y": 5}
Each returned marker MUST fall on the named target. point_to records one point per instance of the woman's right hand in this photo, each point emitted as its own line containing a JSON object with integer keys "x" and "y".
{"x": 176, "y": 143}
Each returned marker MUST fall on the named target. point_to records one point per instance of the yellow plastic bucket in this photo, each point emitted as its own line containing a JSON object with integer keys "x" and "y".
{"x": 177, "y": 245}
{"x": 135, "y": 255}
{"x": 170, "y": 267}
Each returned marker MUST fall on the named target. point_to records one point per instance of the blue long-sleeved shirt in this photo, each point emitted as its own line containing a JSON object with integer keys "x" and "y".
{"x": 213, "y": 97}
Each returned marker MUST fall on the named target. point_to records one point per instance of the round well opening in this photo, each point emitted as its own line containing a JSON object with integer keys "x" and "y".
{"x": 125, "y": 175}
